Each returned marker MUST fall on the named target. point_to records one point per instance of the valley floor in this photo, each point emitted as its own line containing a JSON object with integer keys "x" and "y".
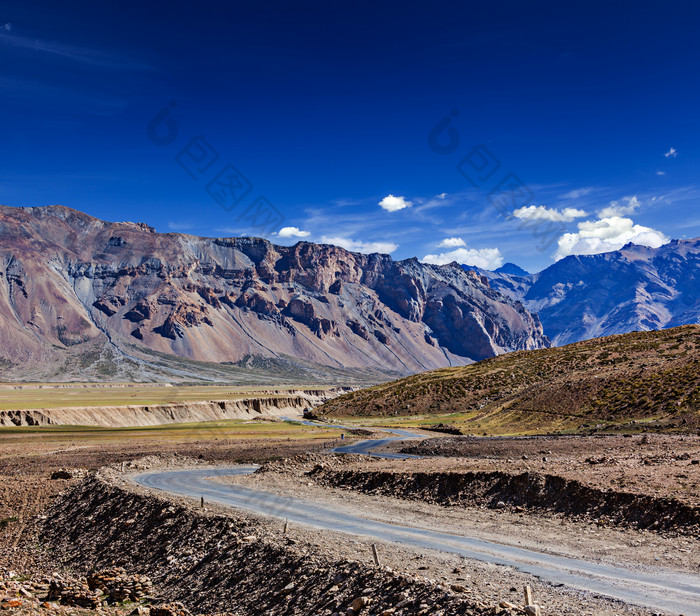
{"x": 654, "y": 466}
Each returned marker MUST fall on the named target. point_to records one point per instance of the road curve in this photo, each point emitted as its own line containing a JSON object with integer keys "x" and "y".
{"x": 657, "y": 589}
{"x": 366, "y": 447}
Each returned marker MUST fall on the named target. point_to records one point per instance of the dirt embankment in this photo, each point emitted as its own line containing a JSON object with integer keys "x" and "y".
{"x": 215, "y": 562}
{"x": 277, "y": 403}
{"x": 522, "y": 491}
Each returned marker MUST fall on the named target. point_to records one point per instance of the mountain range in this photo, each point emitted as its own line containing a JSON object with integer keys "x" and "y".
{"x": 84, "y": 299}
{"x": 635, "y": 288}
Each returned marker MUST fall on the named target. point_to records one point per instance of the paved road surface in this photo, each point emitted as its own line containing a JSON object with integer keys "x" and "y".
{"x": 658, "y": 589}
{"x": 366, "y": 447}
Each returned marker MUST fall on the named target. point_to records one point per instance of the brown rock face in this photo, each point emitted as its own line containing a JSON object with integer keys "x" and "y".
{"x": 67, "y": 279}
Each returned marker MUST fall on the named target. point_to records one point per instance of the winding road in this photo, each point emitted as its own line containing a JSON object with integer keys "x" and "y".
{"x": 366, "y": 447}
{"x": 657, "y": 589}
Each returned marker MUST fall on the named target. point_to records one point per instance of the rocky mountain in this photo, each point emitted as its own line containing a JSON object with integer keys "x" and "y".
{"x": 82, "y": 298}
{"x": 512, "y": 269}
{"x": 631, "y": 289}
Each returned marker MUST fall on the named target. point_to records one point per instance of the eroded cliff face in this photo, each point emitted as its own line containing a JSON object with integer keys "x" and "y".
{"x": 67, "y": 279}
{"x": 273, "y": 404}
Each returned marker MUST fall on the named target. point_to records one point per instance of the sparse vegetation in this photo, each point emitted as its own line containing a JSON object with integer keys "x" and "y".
{"x": 608, "y": 384}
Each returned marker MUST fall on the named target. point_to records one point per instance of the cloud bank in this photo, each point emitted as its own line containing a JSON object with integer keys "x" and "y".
{"x": 292, "y": 232}
{"x": 628, "y": 206}
{"x": 541, "y": 212}
{"x": 607, "y": 234}
{"x": 485, "y": 258}
{"x": 452, "y": 242}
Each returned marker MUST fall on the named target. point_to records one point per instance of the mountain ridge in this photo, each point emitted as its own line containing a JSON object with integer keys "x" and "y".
{"x": 72, "y": 284}
{"x": 635, "y": 288}
{"x": 625, "y": 381}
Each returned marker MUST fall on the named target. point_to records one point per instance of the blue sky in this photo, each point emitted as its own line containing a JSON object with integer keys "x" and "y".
{"x": 568, "y": 127}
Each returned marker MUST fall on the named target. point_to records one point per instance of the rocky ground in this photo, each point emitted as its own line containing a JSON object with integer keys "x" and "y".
{"x": 658, "y": 465}
{"x": 110, "y": 592}
{"x": 41, "y": 455}
{"x": 217, "y": 560}
{"x": 31, "y": 478}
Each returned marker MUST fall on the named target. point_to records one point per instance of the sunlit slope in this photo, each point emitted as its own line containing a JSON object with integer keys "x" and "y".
{"x": 642, "y": 376}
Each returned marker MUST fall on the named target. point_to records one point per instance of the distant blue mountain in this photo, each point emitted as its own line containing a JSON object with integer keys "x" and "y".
{"x": 631, "y": 289}
{"x": 513, "y": 270}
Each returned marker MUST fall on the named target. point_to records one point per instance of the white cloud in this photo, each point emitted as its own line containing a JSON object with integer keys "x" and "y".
{"x": 292, "y": 232}
{"x": 541, "y": 212}
{"x": 7, "y": 27}
{"x": 441, "y": 195}
{"x": 394, "y": 204}
{"x": 485, "y": 258}
{"x": 660, "y": 173}
{"x": 360, "y": 246}
{"x": 620, "y": 209}
{"x": 607, "y": 234}
{"x": 671, "y": 153}
{"x": 577, "y": 193}
{"x": 452, "y": 242}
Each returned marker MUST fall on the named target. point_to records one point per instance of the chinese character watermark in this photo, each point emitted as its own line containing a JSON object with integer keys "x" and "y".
{"x": 506, "y": 191}
{"x": 225, "y": 184}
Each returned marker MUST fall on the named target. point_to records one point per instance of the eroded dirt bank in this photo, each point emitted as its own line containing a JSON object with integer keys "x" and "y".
{"x": 535, "y": 491}
{"x": 275, "y": 404}
{"x": 223, "y": 562}
{"x": 645, "y": 481}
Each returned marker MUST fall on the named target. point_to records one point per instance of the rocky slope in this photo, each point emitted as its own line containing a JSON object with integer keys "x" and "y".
{"x": 226, "y": 562}
{"x": 520, "y": 491}
{"x": 588, "y": 296}
{"x": 630, "y": 381}
{"x": 79, "y": 296}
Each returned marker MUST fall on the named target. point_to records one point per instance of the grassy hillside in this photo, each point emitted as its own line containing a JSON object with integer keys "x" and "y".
{"x": 627, "y": 381}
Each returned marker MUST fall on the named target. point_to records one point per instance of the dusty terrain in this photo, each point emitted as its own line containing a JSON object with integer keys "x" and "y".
{"x": 28, "y": 503}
